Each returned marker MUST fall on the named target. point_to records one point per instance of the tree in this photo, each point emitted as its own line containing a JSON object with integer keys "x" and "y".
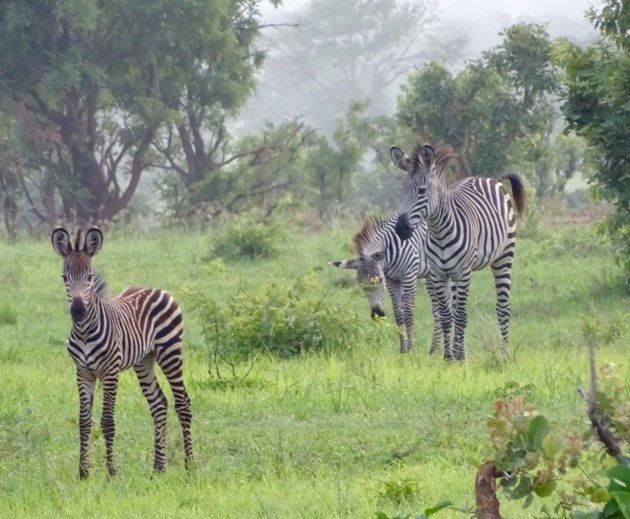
{"x": 596, "y": 106}
{"x": 473, "y": 111}
{"x": 259, "y": 170}
{"x": 100, "y": 79}
{"x": 342, "y": 52}
{"x": 491, "y": 104}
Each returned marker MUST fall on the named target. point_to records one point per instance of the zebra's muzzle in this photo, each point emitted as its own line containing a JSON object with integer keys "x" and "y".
{"x": 77, "y": 310}
{"x": 403, "y": 227}
{"x": 377, "y": 311}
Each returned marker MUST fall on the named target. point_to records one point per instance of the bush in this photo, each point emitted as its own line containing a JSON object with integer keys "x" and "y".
{"x": 284, "y": 319}
{"x": 245, "y": 239}
{"x": 8, "y": 314}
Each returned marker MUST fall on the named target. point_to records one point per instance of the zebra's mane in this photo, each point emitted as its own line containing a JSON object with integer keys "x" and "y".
{"x": 368, "y": 236}
{"x": 443, "y": 155}
{"x": 100, "y": 286}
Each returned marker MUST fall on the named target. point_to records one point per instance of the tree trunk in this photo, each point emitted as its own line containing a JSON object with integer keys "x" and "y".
{"x": 486, "y": 492}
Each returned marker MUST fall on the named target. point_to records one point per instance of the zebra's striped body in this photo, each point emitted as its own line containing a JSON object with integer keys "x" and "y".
{"x": 134, "y": 330}
{"x": 471, "y": 225}
{"x": 385, "y": 262}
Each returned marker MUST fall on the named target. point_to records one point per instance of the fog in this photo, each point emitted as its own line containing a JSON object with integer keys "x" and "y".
{"x": 285, "y": 90}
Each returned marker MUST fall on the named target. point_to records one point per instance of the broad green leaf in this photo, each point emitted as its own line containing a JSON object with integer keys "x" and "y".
{"x": 619, "y": 478}
{"x": 545, "y": 490}
{"x": 623, "y": 501}
{"x": 538, "y": 430}
{"x": 585, "y": 515}
{"x": 436, "y": 508}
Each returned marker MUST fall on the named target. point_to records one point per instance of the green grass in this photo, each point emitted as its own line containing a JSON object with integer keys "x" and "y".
{"x": 330, "y": 435}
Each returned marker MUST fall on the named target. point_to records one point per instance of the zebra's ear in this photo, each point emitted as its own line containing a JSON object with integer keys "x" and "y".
{"x": 93, "y": 241}
{"x": 61, "y": 241}
{"x": 427, "y": 155}
{"x": 346, "y": 264}
{"x": 399, "y": 158}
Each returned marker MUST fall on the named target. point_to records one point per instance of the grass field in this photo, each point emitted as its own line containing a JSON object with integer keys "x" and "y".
{"x": 331, "y": 434}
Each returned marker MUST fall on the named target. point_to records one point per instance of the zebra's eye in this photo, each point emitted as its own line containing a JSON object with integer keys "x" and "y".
{"x": 64, "y": 277}
{"x": 422, "y": 190}
{"x": 91, "y": 276}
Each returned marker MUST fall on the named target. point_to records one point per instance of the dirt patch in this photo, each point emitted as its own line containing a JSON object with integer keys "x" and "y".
{"x": 577, "y": 218}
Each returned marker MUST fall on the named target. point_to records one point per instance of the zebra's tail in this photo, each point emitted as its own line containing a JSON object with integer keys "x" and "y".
{"x": 518, "y": 191}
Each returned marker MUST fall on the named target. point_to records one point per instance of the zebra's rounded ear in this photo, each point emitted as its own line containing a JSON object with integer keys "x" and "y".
{"x": 93, "y": 241}
{"x": 61, "y": 241}
{"x": 427, "y": 155}
{"x": 345, "y": 264}
{"x": 399, "y": 158}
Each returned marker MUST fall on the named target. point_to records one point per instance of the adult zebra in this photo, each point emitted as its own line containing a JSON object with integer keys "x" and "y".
{"x": 135, "y": 329}
{"x": 385, "y": 262}
{"x": 470, "y": 225}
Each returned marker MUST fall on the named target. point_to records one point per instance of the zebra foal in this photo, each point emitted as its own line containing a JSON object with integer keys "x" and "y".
{"x": 134, "y": 330}
{"x": 470, "y": 225}
{"x": 385, "y": 262}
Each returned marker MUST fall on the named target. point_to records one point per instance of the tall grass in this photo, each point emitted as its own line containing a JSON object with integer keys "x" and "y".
{"x": 335, "y": 433}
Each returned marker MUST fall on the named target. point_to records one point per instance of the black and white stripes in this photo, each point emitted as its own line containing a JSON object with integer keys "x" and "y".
{"x": 135, "y": 329}
{"x": 386, "y": 262}
{"x": 471, "y": 225}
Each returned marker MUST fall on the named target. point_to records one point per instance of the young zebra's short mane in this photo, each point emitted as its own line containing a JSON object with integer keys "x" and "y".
{"x": 368, "y": 233}
{"x": 443, "y": 155}
{"x": 100, "y": 287}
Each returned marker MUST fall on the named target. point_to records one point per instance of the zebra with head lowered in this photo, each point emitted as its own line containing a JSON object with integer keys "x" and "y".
{"x": 470, "y": 225}
{"x": 387, "y": 262}
{"x": 134, "y": 330}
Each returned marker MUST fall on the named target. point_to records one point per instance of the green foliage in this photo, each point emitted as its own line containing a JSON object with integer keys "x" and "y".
{"x": 243, "y": 239}
{"x": 428, "y": 512}
{"x": 8, "y": 314}
{"x": 283, "y": 318}
{"x": 597, "y": 80}
{"x": 399, "y": 491}
{"x": 497, "y": 113}
{"x": 97, "y": 82}
{"x": 534, "y": 462}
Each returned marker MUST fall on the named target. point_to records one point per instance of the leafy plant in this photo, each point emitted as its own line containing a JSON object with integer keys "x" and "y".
{"x": 8, "y": 314}
{"x": 428, "y": 512}
{"x": 243, "y": 238}
{"x": 529, "y": 461}
{"x": 284, "y": 318}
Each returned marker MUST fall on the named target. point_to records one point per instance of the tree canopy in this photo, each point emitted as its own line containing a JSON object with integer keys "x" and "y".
{"x": 490, "y": 104}
{"x": 96, "y": 82}
{"x": 597, "y": 107}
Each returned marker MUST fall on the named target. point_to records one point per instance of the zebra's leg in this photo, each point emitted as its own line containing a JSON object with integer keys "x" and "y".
{"x": 435, "y": 312}
{"x": 86, "y": 382}
{"x": 445, "y": 316}
{"x": 460, "y": 317}
{"x": 396, "y": 293}
{"x": 409, "y": 300}
{"x": 110, "y": 388}
{"x": 502, "y": 272}
{"x": 170, "y": 360}
{"x": 158, "y": 406}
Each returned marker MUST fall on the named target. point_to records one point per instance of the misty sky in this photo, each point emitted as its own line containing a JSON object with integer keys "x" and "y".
{"x": 516, "y": 8}
{"x": 481, "y": 21}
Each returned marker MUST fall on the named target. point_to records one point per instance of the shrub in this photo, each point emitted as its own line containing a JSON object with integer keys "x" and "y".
{"x": 8, "y": 314}
{"x": 244, "y": 239}
{"x": 284, "y": 318}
